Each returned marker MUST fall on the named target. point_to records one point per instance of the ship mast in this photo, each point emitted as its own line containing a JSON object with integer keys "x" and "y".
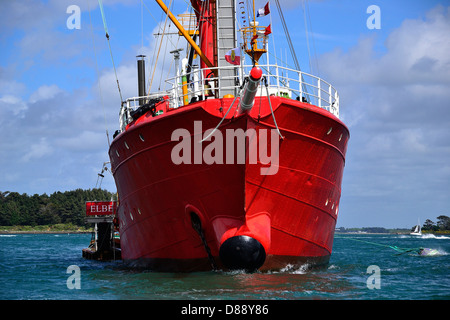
{"x": 254, "y": 18}
{"x": 185, "y": 34}
{"x": 254, "y": 38}
{"x": 254, "y": 29}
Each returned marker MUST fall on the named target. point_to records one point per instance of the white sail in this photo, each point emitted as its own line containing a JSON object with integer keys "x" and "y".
{"x": 417, "y": 230}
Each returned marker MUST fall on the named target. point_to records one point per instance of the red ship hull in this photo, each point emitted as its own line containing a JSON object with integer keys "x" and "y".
{"x": 247, "y": 219}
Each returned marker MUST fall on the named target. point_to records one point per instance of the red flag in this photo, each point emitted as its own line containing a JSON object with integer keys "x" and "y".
{"x": 254, "y": 38}
{"x": 259, "y": 34}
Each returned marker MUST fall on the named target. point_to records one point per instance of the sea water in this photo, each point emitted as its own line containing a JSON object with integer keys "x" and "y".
{"x": 46, "y": 266}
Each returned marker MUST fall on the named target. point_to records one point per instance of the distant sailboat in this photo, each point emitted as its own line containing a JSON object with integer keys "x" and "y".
{"x": 417, "y": 230}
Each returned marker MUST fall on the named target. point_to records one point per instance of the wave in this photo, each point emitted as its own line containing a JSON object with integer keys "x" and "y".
{"x": 432, "y": 236}
{"x": 291, "y": 269}
{"x": 8, "y": 235}
{"x": 424, "y": 236}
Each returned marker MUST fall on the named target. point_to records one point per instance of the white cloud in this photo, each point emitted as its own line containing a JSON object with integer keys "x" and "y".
{"x": 10, "y": 105}
{"x": 85, "y": 141}
{"x": 38, "y": 150}
{"x": 8, "y": 86}
{"x": 417, "y": 52}
{"x": 44, "y": 92}
{"x": 396, "y": 106}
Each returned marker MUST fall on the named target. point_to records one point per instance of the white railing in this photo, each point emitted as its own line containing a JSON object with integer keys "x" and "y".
{"x": 282, "y": 81}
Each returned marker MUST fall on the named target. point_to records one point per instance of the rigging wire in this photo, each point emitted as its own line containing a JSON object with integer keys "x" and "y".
{"x": 307, "y": 17}
{"x": 288, "y": 37}
{"x": 110, "y": 50}
{"x": 307, "y": 37}
{"x": 313, "y": 41}
{"x": 98, "y": 73}
{"x": 161, "y": 32}
{"x": 291, "y": 47}
{"x": 160, "y": 45}
{"x": 164, "y": 60}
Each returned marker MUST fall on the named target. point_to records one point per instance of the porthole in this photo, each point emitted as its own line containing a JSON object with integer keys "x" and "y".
{"x": 126, "y": 145}
{"x": 141, "y": 137}
{"x": 139, "y": 211}
{"x": 117, "y": 152}
{"x": 131, "y": 216}
{"x": 340, "y": 137}
{"x": 329, "y": 130}
{"x": 326, "y": 203}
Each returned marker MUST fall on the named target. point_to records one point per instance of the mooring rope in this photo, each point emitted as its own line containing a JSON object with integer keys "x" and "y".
{"x": 399, "y": 250}
{"x": 197, "y": 225}
{"x": 212, "y": 132}
{"x": 271, "y": 110}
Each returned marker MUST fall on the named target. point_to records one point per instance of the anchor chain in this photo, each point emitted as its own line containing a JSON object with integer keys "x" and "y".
{"x": 197, "y": 225}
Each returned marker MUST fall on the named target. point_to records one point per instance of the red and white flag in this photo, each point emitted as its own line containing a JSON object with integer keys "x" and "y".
{"x": 264, "y": 11}
{"x": 233, "y": 56}
{"x": 260, "y": 34}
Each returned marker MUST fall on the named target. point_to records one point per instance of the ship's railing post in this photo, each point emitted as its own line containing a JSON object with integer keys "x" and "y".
{"x": 300, "y": 86}
{"x": 278, "y": 78}
{"x": 202, "y": 83}
{"x": 195, "y": 76}
{"x": 287, "y": 81}
{"x": 175, "y": 92}
{"x": 330, "y": 96}
{"x": 336, "y": 103}
{"x": 319, "y": 96}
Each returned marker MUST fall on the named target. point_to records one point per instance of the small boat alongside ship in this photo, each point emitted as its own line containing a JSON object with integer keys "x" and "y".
{"x": 238, "y": 165}
{"x": 105, "y": 240}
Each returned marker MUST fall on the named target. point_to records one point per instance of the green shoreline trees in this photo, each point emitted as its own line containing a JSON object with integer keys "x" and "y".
{"x": 58, "y": 208}
{"x": 69, "y": 208}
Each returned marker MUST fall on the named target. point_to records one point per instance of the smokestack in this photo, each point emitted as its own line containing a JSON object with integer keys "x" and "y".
{"x": 141, "y": 77}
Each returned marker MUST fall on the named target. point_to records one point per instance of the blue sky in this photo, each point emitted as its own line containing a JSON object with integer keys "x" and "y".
{"x": 393, "y": 84}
